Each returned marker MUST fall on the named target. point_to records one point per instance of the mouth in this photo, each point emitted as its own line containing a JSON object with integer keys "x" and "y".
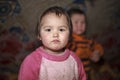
{"x": 56, "y": 41}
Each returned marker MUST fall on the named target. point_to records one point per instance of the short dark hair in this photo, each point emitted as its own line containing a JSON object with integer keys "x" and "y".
{"x": 58, "y": 11}
{"x": 74, "y": 10}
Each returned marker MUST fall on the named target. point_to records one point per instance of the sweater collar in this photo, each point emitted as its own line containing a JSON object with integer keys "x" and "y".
{"x": 53, "y": 57}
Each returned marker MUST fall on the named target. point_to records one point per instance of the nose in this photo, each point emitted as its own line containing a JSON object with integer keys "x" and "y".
{"x": 55, "y": 34}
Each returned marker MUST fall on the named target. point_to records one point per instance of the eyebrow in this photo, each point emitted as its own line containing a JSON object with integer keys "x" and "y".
{"x": 58, "y": 26}
{"x": 64, "y": 26}
{"x": 46, "y": 27}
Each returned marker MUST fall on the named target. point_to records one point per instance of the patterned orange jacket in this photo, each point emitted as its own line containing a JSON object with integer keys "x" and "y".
{"x": 84, "y": 48}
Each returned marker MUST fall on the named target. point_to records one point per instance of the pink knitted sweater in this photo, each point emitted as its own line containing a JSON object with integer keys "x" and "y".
{"x": 40, "y": 65}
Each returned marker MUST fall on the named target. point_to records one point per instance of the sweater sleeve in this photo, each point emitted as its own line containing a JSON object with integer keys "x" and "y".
{"x": 29, "y": 69}
{"x": 81, "y": 71}
{"x": 99, "y": 47}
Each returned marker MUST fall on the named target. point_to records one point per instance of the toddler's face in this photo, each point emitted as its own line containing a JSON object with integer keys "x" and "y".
{"x": 54, "y": 32}
{"x": 79, "y": 24}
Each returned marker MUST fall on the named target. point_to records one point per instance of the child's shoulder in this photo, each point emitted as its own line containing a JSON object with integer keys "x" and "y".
{"x": 73, "y": 54}
{"x": 33, "y": 56}
{"x": 76, "y": 58}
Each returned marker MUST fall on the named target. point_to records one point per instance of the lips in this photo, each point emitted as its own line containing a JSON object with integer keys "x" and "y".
{"x": 56, "y": 41}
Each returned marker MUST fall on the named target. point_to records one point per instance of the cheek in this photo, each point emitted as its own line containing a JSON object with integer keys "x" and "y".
{"x": 74, "y": 27}
{"x": 44, "y": 37}
{"x": 65, "y": 38}
{"x": 45, "y": 40}
{"x": 84, "y": 27}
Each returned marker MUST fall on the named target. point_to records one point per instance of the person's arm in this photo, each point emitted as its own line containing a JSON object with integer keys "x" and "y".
{"x": 81, "y": 71}
{"x": 29, "y": 69}
{"x": 97, "y": 52}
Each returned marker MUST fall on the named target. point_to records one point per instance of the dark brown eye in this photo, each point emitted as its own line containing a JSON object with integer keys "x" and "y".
{"x": 62, "y": 30}
{"x": 48, "y": 30}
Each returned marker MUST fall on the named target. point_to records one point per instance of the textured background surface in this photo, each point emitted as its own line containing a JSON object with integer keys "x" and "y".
{"x": 18, "y": 21}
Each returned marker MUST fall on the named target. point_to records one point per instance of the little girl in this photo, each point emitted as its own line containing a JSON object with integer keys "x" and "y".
{"x": 52, "y": 61}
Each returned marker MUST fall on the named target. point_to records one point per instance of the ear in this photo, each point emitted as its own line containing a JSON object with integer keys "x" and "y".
{"x": 38, "y": 37}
